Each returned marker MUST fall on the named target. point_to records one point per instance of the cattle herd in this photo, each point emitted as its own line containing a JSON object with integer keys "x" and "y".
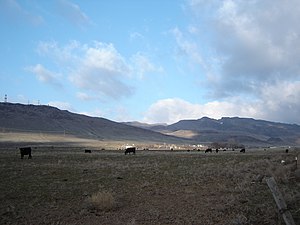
{"x": 130, "y": 149}
{"x": 243, "y": 150}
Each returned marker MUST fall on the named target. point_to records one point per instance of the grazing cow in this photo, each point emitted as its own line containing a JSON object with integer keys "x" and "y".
{"x": 208, "y": 150}
{"x": 87, "y": 151}
{"x": 243, "y": 150}
{"x": 129, "y": 150}
{"x": 25, "y": 151}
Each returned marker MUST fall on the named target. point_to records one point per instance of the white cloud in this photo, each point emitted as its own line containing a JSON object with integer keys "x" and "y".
{"x": 62, "y": 105}
{"x": 278, "y": 103}
{"x": 263, "y": 36}
{"x": 281, "y": 101}
{"x": 136, "y": 36}
{"x": 72, "y": 12}
{"x": 84, "y": 96}
{"x": 258, "y": 42}
{"x": 62, "y": 55}
{"x": 250, "y": 62}
{"x": 104, "y": 71}
{"x": 174, "y": 109}
{"x": 106, "y": 57}
{"x": 171, "y": 110}
{"x": 187, "y": 47}
{"x": 14, "y": 12}
{"x": 142, "y": 65}
{"x": 44, "y": 75}
{"x": 98, "y": 69}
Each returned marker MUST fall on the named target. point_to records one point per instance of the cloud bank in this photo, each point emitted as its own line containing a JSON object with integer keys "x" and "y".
{"x": 174, "y": 109}
{"x": 259, "y": 44}
{"x": 98, "y": 70}
{"x": 251, "y": 61}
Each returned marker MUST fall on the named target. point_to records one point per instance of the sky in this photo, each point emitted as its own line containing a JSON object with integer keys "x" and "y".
{"x": 154, "y": 61}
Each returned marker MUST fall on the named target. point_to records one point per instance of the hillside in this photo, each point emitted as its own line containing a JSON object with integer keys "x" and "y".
{"x": 241, "y": 130}
{"x": 47, "y": 119}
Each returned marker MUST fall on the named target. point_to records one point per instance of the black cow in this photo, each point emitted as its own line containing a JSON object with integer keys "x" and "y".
{"x": 286, "y": 151}
{"x": 129, "y": 150}
{"x": 243, "y": 150}
{"x": 87, "y": 151}
{"x": 25, "y": 151}
{"x": 208, "y": 150}
{"x": 217, "y": 150}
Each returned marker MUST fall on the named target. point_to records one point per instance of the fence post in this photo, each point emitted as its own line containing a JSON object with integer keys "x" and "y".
{"x": 287, "y": 216}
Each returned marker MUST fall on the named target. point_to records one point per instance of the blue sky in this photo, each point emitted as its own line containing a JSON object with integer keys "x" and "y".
{"x": 154, "y": 61}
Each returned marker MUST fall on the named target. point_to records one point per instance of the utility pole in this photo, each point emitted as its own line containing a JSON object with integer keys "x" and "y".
{"x": 5, "y": 98}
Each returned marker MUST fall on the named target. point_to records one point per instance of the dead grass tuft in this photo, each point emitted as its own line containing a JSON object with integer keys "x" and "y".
{"x": 239, "y": 220}
{"x": 102, "y": 201}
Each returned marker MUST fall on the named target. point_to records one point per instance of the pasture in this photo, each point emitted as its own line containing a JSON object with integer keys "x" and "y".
{"x": 64, "y": 185}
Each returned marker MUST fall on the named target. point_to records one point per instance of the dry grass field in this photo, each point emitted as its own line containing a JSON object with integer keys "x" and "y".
{"x": 64, "y": 185}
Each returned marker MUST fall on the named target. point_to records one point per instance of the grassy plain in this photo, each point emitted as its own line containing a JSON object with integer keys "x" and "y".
{"x": 64, "y": 185}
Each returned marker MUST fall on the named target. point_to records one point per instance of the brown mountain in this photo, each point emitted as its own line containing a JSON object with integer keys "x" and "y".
{"x": 241, "y": 130}
{"x": 47, "y": 119}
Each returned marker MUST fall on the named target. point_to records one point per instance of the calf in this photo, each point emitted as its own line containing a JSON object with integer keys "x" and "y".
{"x": 129, "y": 150}
{"x": 25, "y": 151}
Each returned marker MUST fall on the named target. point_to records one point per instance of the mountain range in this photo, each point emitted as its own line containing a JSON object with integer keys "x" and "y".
{"x": 248, "y": 131}
{"x": 239, "y": 130}
{"x": 48, "y": 119}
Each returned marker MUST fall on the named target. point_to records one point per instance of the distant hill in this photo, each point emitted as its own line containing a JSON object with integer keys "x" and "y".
{"x": 155, "y": 126}
{"x": 241, "y": 130}
{"x": 47, "y": 119}
{"x": 41, "y": 118}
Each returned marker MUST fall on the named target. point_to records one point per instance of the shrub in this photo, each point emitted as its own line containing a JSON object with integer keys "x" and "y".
{"x": 102, "y": 200}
